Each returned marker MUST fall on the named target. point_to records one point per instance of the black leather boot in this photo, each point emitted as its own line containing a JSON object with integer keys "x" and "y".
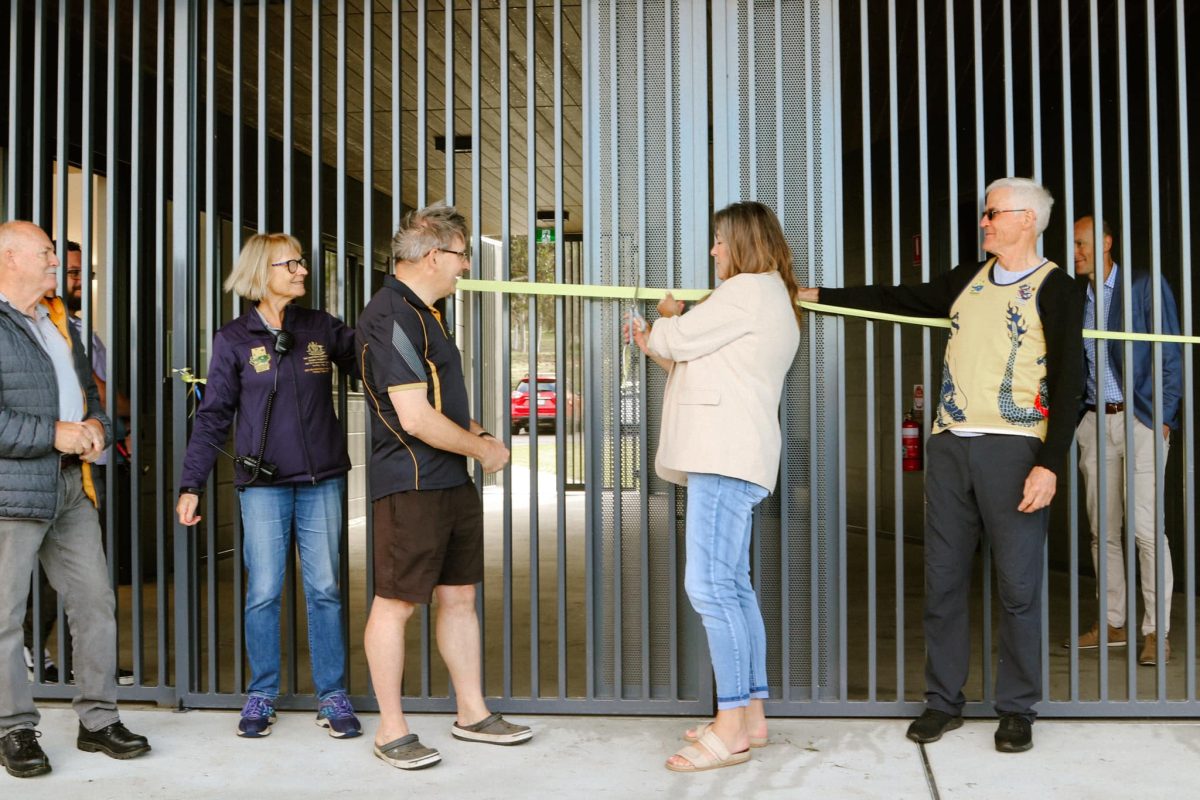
{"x": 113, "y": 740}
{"x": 21, "y": 754}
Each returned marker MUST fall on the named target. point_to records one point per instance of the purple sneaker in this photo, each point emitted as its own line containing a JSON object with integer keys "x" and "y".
{"x": 258, "y": 715}
{"x": 336, "y": 714}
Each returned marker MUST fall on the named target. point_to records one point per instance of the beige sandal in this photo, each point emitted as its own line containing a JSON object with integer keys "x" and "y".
{"x": 708, "y": 753}
{"x": 755, "y": 741}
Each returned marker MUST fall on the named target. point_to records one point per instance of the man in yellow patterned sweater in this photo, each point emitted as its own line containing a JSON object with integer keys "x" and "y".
{"x": 1009, "y": 399}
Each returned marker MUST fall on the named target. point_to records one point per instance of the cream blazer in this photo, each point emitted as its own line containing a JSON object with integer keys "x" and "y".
{"x": 731, "y": 354}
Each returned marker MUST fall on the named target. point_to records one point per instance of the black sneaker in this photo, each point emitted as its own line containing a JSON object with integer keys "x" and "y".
{"x": 21, "y": 754}
{"x": 1015, "y": 734}
{"x": 49, "y": 668}
{"x": 930, "y": 726}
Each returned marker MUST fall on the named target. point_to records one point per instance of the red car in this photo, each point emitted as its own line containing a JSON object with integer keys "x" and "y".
{"x": 547, "y": 403}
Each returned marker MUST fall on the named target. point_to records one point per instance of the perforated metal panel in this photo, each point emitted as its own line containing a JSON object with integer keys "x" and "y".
{"x": 776, "y": 91}
{"x": 646, "y": 639}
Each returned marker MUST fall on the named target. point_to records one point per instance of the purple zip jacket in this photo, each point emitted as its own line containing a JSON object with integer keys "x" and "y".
{"x": 305, "y": 439}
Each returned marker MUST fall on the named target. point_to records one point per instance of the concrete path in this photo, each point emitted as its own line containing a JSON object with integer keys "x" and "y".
{"x": 197, "y": 755}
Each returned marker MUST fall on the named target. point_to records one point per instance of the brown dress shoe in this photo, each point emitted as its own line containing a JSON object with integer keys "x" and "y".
{"x": 1149, "y": 656}
{"x": 1091, "y": 639}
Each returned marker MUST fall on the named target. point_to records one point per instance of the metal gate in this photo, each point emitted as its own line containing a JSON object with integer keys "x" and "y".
{"x": 589, "y": 143}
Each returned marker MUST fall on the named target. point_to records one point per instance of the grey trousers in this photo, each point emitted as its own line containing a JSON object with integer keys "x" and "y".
{"x": 70, "y": 552}
{"x": 972, "y": 485}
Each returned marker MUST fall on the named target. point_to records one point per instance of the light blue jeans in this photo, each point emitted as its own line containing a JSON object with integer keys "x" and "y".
{"x": 268, "y": 516}
{"x": 720, "y": 510}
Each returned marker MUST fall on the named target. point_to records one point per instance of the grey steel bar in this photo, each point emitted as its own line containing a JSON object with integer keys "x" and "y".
{"x": 423, "y": 120}
{"x": 1156, "y": 222}
{"x": 212, "y": 316}
{"x": 39, "y": 167}
{"x": 982, "y": 200}
{"x": 1068, "y": 223}
{"x": 422, "y": 185}
{"x": 349, "y": 313}
{"x": 368, "y": 157}
{"x": 1035, "y": 81}
{"x": 1189, "y": 451}
{"x": 1036, "y": 98}
{"x": 839, "y": 216}
{"x": 289, "y": 130}
{"x": 506, "y": 335}
{"x": 476, "y": 266}
{"x": 112, "y": 103}
{"x": 814, "y": 519}
{"x": 397, "y": 107}
{"x": 1009, "y": 160}
{"x": 869, "y": 347}
{"x": 669, "y": 27}
{"x": 1127, "y": 388}
{"x": 236, "y": 167}
{"x": 135, "y": 394}
{"x": 591, "y": 464}
{"x": 643, "y": 467}
{"x": 235, "y": 161}
{"x": 925, "y": 250}
{"x": 531, "y": 260}
{"x": 618, "y": 476}
{"x": 1101, "y": 319}
{"x": 449, "y": 81}
{"x": 315, "y": 129}
{"x": 40, "y": 173}
{"x": 751, "y": 114}
{"x": 898, "y": 474}
{"x": 784, "y": 478}
{"x": 160, "y": 355}
{"x": 261, "y": 94}
{"x": 87, "y": 169}
{"x": 183, "y": 240}
{"x": 14, "y": 149}
{"x": 561, "y": 422}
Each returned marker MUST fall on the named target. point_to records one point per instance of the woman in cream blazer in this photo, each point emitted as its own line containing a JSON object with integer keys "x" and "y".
{"x": 727, "y": 359}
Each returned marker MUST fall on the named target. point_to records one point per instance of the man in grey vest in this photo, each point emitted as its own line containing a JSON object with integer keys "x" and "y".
{"x": 51, "y": 429}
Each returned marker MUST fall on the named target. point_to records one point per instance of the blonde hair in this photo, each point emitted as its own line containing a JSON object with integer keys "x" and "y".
{"x": 756, "y": 244}
{"x": 253, "y": 268}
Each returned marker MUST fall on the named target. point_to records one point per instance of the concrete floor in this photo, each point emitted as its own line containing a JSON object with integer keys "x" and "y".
{"x": 197, "y": 755}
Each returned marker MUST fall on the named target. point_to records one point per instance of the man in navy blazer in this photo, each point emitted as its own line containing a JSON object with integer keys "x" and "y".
{"x": 1107, "y": 396}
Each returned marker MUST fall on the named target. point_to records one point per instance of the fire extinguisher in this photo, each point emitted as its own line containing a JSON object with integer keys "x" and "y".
{"x": 910, "y": 443}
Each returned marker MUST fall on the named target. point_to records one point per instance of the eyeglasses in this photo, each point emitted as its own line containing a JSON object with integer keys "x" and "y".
{"x": 991, "y": 213}
{"x": 74, "y": 274}
{"x": 464, "y": 254}
{"x": 292, "y": 264}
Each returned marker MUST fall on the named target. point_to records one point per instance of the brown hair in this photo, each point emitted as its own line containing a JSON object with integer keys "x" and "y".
{"x": 253, "y": 268}
{"x": 756, "y": 244}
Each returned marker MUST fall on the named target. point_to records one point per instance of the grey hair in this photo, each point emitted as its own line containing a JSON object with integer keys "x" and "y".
{"x": 1030, "y": 194}
{"x": 427, "y": 229}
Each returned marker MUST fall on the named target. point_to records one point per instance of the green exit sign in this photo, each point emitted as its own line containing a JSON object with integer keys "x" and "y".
{"x": 545, "y": 235}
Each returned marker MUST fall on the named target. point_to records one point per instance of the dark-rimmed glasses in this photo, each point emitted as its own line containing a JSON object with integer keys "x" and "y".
{"x": 991, "y": 213}
{"x": 292, "y": 264}
{"x": 464, "y": 254}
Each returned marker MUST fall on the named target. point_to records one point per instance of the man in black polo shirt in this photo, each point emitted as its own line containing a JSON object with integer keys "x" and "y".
{"x": 428, "y": 517}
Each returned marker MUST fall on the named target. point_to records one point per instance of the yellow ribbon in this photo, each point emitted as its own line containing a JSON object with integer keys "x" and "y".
{"x": 638, "y": 294}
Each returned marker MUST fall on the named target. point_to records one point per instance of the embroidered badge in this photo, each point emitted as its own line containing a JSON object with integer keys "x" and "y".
{"x": 316, "y": 360}
{"x": 977, "y": 288}
{"x": 260, "y": 359}
{"x": 1024, "y": 293}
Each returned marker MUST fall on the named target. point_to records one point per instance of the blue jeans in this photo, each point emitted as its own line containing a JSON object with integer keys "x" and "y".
{"x": 720, "y": 511}
{"x": 268, "y": 516}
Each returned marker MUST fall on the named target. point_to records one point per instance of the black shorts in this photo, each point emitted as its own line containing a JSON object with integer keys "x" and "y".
{"x": 427, "y": 538}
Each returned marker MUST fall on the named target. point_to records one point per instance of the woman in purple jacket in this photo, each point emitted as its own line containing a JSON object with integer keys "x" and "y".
{"x": 271, "y": 368}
